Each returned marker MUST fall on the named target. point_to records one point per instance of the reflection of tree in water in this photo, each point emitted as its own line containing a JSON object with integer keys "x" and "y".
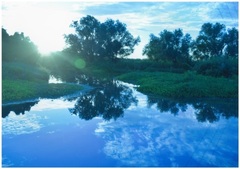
{"x": 17, "y": 108}
{"x": 205, "y": 110}
{"x": 213, "y": 109}
{"x": 108, "y": 101}
{"x": 167, "y": 105}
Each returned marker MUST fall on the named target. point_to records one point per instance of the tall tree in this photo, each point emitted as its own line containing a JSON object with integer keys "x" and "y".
{"x": 210, "y": 41}
{"x": 231, "y": 42}
{"x": 17, "y": 47}
{"x": 93, "y": 40}
{"x": 169, "y": 46}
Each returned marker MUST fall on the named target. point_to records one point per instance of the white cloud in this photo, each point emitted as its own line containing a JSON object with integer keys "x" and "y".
{"x": 160, "y": 139}
{"x": 20, "y": 124}
{"x": 50, "y": 104}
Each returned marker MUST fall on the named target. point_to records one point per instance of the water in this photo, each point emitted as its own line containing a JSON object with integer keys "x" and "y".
{"x": 114, "y": 125}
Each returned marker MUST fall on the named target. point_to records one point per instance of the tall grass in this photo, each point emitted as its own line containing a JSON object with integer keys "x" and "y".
{"x": 18, "y": 70}
{"x": 187, "y": 85}
{"x": 18, "y": 90}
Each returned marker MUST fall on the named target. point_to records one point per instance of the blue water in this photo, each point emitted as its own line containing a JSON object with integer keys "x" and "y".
{"x": 124, "y": 128}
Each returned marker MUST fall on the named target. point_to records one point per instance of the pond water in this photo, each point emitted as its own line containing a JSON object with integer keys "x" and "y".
{"x": 113, "y": 125}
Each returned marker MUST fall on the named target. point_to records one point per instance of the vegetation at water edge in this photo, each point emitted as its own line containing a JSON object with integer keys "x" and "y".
{"x": 177, "y": 66}
{"x": 187, "y": 85}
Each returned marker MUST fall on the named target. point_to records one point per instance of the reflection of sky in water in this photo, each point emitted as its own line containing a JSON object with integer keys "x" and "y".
{"x": 49, "y": 104}
{"x": 161, "y": 139}
{"x": 32, "y": 122}
{"x": 20, "y": 124}
{"x": 49, "y": 135}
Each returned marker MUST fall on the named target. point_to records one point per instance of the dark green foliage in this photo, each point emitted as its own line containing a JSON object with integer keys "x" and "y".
{"x": 231, "y": 41}
{"x": 210, "y": 41}
{"x": 20, "y": 59}
{"x": 18, "y": 48}
{"x": 17, "y": 71}
{"x": 217, "y": 67}
{"x": 214, "y": 52}
{"x": 187, "y": 85}
{"x": 18, "y": 90}
{"x": 94, "y": 40}
{"x": 214, "y": 41}
{"x": 95, "y": 45}
{"x": 169, "y": 46}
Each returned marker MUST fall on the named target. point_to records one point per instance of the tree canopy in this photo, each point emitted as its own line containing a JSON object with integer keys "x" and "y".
{"x": 214, "y": 41}
{"x": 169, "y": 46}
{"x": 231, "y": 42}
{"x": 95, "y": 40}
{"x": 19, "y": 48}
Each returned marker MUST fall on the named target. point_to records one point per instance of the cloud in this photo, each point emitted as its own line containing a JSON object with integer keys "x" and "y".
{"x": 158, "y": 139}
{"x": 20, "y": 124}
{"x": 49, "y": 104}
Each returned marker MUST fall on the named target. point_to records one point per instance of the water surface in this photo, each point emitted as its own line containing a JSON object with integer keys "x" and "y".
{"x": 114, "y": 125}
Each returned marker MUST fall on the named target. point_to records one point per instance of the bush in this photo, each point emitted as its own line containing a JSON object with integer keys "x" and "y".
{"x": 187, "y": 85}
{"x": 217, "y": 67}
{"x": 17, "y": 70}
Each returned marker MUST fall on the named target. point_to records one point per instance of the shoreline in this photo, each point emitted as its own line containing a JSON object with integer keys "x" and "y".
{"x": 85, "y": 89}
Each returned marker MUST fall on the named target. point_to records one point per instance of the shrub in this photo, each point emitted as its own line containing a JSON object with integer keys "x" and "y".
{"x": 217, "y": 67}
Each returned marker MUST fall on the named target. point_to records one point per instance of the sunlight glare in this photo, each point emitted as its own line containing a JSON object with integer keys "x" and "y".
{"x": 43, "y": 25}
{"x": 49, "y": 38}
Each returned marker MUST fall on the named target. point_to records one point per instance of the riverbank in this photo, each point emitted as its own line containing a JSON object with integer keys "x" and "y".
{"x": 19, "y": 90}
{"x": 182, "y": 85}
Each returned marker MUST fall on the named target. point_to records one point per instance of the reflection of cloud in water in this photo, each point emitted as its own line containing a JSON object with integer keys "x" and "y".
{"x": 164, "y": 140}
{"x": 141, "y": 100}
{"x": 49, "y": 104}
{"x": 20, "y": 124}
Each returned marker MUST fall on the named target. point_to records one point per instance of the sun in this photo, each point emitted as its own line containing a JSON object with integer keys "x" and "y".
{"x": 46, "y": 46}
{"x": 48, "y": 39}
{"x": 44, "y": 25}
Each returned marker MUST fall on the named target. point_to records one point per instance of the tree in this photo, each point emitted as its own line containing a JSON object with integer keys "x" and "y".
{"x": 94, "y": 40}
{"x": 231, "y": 43}
{"x": 18, "y": 48}
{"x": 152, "y": 49}
{"x": 210, "y": 41}
{"x": 169, "y": 46}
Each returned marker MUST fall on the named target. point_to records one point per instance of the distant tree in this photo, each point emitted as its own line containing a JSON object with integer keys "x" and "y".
{"x": 169, "y": 46}
{"x": 18, "y": 48}
{"x": 153, "y": 49}
{"x": 94, "y": 40}
{"x": 213, "y": 39}
{"x": 231, "y": 43}
{"x": 213, "y": 49}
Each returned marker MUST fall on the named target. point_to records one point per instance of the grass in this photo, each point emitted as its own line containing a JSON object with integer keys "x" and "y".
{"x": 182, "y": 85}
{"x": 21, "y": 81}
{"x": 18, "y": 90}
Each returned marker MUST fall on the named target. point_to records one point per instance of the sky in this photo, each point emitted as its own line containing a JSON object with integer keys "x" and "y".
{"x": 46, "y": 22}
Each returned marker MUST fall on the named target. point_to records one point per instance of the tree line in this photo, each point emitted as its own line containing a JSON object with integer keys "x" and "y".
{"x": 94, "y": 40}
{"x": 110, "y": 40}
{"x": 18, "y": 48}
{"x": 213, "y": 41}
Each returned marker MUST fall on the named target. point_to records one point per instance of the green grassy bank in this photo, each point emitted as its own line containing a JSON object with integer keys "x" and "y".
{"x": 182, "y": 85}
{"x": 18, "y": 90}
